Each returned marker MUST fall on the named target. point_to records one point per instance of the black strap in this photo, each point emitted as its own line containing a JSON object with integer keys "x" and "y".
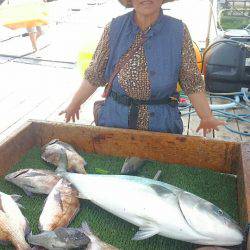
{"x": 128, "y": 101}
{"x": 135, "y": 103}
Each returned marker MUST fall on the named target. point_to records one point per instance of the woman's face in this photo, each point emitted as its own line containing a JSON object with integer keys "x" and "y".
{"x": 147, "y": 7}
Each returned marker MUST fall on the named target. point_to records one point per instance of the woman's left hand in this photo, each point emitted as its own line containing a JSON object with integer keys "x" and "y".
{"x": 208, "y": 124}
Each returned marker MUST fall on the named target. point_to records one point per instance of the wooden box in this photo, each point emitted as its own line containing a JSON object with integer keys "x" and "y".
{"x": 221, "y": 156}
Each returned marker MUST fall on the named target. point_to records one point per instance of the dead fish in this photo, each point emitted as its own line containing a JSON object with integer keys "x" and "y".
{"x": 132, "y": 165}
{"x": 95, "y": 242}
{"x": 60, "y": 238}
{"x": 34, "y": 180}
{"x": 51, "y": 153}
{"x": 13, "y": 225}
{"x": 61, "y": 206}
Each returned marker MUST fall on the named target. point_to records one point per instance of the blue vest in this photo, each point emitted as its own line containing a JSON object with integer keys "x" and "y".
{"x": 163, "y": 54}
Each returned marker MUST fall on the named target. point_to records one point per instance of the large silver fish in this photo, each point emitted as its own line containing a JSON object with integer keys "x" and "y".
{"x": 51, "y": 153}
{"x": 132, "y": 164}
{"x": 157, "y": 208}
{"x": 34, "y": 180}
{"x": 13, "y": 225}
{"x": 60, "y": 238}
{"x": 60, "y": 208}
{"x": 95, "y": 242}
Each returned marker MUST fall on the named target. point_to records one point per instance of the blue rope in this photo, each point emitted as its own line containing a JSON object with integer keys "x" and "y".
{"x": 237, "y": 132}
{"x": 228, "y": 115}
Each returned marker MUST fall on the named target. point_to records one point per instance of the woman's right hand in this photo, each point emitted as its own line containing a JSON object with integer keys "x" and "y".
{"x": 71, "y": 112}
{"x": 82, "y": 94}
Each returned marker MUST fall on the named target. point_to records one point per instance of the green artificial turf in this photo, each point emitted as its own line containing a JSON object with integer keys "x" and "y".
{"x": 218, "y": 188}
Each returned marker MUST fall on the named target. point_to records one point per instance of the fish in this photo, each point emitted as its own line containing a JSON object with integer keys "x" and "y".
{"x": 95, "y": 242}
{"x": 212, "y": 248}
{"x": 51, "y": 154}
{"x": 60, "y": 238}
{"x": 13, "y": 225}
{"x": 132, "y": 164}
{"x": 156, "y": 208}
{"x": 60, "y": 207}
{"x": 37, "y": 181}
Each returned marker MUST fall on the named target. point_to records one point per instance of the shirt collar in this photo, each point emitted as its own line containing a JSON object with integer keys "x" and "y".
{"x": 133, "y": 28}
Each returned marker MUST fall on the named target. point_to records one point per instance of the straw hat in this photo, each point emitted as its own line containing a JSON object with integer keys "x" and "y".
{"x": 127, "y": 3}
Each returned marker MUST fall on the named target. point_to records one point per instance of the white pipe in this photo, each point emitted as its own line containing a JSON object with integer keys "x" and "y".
{"x": 225, "y": 106}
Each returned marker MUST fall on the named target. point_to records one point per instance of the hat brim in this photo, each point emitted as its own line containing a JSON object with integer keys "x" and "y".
{"x": 127, "y": 3}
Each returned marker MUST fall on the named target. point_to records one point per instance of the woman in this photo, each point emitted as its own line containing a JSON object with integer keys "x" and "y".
{"x": 149, "y": 76}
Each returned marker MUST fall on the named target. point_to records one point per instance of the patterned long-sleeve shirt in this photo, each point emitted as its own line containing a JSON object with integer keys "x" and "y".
{"x": 190, "y": 78}
{"x": 134, "y": 75}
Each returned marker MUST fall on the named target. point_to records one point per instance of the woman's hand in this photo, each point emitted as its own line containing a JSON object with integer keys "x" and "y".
{"x": 208, "y": 124}
{"x": 81, "y": 95}
{"x": 71, "y": 112}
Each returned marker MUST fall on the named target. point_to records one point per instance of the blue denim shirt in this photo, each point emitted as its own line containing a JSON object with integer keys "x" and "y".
{"x": 163, "y": 54}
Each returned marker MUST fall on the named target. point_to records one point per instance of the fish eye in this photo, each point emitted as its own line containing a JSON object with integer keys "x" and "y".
{"x": 220, "y": 212}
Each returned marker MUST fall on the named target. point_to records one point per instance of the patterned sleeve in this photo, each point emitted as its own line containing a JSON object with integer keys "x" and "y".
{"x": 96, "y": 69}
{"x": 190, "y": 78}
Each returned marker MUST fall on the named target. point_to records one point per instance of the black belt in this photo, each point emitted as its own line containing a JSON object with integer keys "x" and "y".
{"x": 135, "y": 103}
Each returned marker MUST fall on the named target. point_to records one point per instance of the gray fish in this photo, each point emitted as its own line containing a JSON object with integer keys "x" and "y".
{"x": 95, "y": 242}
{"x": 132, "y": 165}
{"x": 37, "y": 181}
{"x": 13, "y": 225}
{"x": 51, "y": 153}
{"x": 60, "y": 208}
{"x": 60, "y": 238}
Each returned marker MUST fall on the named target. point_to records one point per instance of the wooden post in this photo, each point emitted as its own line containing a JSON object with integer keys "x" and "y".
{"x": 209, "y": 22}
{"x": 243, "y": 186}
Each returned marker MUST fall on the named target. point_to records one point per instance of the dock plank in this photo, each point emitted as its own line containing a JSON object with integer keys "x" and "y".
{"x": 46, "y": 106}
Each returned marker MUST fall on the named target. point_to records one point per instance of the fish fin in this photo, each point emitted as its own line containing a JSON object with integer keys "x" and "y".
{"x": 1, "y": 205}
{"x": 84, "y": 163}
{"x": 20, "y": 205}
{"x": 132, "y": 164}
{"x": 63, "y": 163}
{"x": 27, "y": 230}
{"x": 27, "y": 192}
{"x": 145, "y": 232}
{"x": 16, "y": 197}
{"x": 37, "y": 248}
{"x": 157, "y": 175}
{"x": 161, "y": 190}
{"x": 85, "y": 228}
